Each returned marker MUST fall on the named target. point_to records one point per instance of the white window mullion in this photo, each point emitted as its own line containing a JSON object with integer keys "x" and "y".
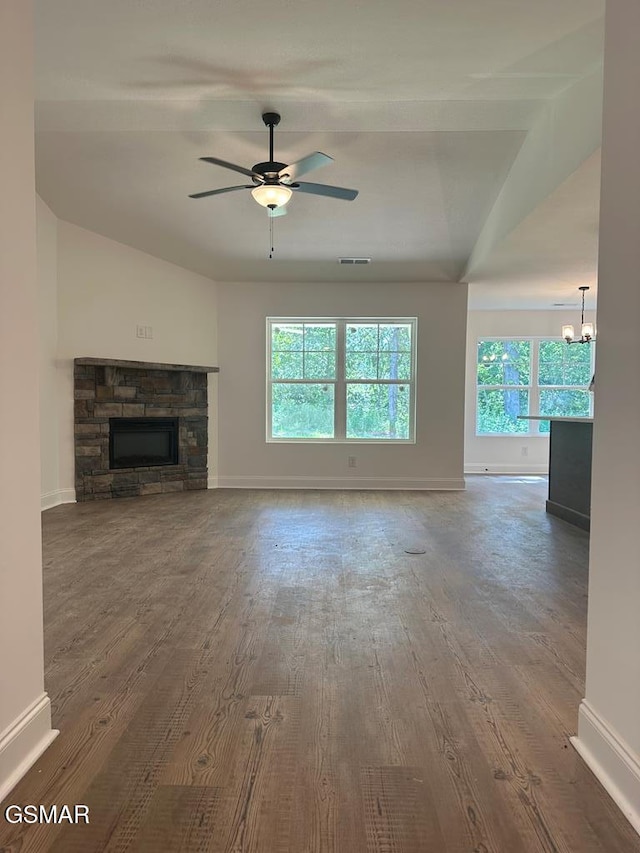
{"x": 303, "y": 349}
{"x": 534, "y": 394}
{"x": 269, "y": 380}
{"x": 340, "y": 397}
{"x": 593, "y": 373}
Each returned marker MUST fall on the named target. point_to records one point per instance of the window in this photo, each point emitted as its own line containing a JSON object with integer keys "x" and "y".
{"x": 504, "y": 386}
{"x": 519, "y": 377}
{"x": 341, "y": 380}
{"x": 564, "y": 373}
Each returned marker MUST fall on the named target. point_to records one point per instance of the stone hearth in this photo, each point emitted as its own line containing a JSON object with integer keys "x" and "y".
{"x": 110, "y": 388}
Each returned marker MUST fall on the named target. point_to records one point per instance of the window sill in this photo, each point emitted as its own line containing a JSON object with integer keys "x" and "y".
{"x": 392, "y": 442}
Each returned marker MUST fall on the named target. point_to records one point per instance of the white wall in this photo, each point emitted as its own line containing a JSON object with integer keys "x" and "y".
{"x": 47, "y": 245}
{"x": 25, "y": 715}
{"x": 609, "y": 724}
{"x": 435, "y": 461}
{"x": 105, "y": 289}
{"x": 504, "y": 454}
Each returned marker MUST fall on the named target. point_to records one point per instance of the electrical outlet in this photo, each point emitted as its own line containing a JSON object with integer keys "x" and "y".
{"x": 143, "y": 331}
{"x": 351, "y": 461}
{"x": 524, "y": 451}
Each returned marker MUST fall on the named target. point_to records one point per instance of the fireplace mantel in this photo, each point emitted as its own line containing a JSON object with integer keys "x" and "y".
{"x": 144, "y": 365}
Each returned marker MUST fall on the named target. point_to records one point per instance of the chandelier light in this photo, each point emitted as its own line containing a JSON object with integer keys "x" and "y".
{"x": 587, "y": 331}
{"x": 272, "y": 195}
{"x": 494, "y": 357}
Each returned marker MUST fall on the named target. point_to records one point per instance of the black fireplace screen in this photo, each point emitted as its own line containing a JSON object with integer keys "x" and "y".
{"x": 138, "y": 442}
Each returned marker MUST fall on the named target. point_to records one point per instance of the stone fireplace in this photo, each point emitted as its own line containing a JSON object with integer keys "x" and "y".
{"x": 123, "y": 401}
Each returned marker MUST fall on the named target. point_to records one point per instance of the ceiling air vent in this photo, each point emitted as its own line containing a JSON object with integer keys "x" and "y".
{"x": 351, "y": 261}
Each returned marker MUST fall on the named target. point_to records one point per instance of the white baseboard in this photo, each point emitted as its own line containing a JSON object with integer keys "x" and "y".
{"x": 59, "y": 496}
{"x": 611, "y": 760}
{"x": 379, "y": 483}
{"x": 505, "y": 468}
{"x": 212, "y": 482}
{"x": 23, "y": 742}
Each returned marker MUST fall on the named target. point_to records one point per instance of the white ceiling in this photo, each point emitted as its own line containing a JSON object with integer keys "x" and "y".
{"x": 471, "y": 129}
{"x": 551, "y": 252}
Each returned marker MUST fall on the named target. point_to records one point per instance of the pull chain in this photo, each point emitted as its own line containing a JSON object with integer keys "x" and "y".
{"x": 271, "y": 237}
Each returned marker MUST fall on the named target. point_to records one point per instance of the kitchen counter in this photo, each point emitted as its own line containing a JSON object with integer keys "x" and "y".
{"x": 570, "y": 442}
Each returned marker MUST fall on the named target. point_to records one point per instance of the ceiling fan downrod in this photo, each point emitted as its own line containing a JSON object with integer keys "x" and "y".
{"x": 271, "y": 120}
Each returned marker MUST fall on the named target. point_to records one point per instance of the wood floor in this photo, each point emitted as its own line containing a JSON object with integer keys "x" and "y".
{"x": 270, "y": 671}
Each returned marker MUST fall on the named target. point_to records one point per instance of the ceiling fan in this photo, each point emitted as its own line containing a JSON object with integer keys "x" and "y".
{"x": 273, "y": 183}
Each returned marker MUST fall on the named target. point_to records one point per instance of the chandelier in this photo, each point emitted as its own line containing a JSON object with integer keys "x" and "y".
{"x": 586, "y": 331}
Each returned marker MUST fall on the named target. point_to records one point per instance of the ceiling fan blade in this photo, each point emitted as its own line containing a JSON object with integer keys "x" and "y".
{"x": 323, "y": 189}
{"x": 231, "y": 166}
{"x": 277, "y": 211}
{"x": 223, "y": 190}
{"x": 306, "y": 164}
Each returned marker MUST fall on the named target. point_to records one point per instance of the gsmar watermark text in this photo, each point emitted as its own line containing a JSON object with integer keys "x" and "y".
{"x": 47, "y": 814}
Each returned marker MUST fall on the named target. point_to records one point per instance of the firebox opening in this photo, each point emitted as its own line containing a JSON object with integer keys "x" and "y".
{"x": 138, "y": 442}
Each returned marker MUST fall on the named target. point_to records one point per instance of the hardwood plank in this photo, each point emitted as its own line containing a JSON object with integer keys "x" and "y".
{"x": 396, "y": 819}
{"x": 260, "y": 794}
{"x": 180, "y": 819}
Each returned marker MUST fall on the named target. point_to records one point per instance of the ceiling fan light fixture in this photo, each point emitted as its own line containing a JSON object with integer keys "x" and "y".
{"x": 271, "y": 195}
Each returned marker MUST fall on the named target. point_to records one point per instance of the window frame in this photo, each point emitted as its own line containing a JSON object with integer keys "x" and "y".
{"x": 340, "y": 382}
{"x": 533, "y": 387}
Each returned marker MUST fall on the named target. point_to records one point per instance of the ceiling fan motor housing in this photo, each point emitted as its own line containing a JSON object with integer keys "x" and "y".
{"x": 269, "y": 171}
